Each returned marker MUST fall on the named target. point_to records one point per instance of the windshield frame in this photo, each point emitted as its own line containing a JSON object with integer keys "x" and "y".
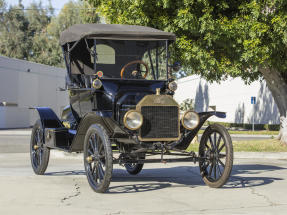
{"x": 154, "y": 71}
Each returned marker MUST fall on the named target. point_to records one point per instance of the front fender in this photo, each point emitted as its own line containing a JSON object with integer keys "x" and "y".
{"x": 85, "y": 123}
{"x": 187, "y": 135}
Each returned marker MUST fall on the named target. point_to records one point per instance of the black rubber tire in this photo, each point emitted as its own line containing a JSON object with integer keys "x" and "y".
{"x": 215, "y": 160}
{"x": 39, "y": 157}
{"x": 134, "y": 168}
{"x": 105, "y": 159}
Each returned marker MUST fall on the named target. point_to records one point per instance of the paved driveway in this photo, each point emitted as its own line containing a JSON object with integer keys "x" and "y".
{"x": 256, "y": 187}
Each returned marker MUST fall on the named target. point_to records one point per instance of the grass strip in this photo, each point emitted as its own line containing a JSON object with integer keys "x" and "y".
{"x": 269, "y": 145}
{"x": 262, "y": 132}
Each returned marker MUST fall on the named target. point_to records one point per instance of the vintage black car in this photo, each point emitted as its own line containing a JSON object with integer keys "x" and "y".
{"x": 121, "y": 86}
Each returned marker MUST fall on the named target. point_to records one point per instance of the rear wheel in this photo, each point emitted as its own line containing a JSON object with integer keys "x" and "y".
{"x": 216, "y": 155}
{"x": 133, "y": 168}
{"x": 98, "y": 158}
{"x": 39, "y": 153}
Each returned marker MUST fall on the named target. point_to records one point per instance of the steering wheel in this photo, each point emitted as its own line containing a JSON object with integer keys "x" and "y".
{"x": 134, "y": 62}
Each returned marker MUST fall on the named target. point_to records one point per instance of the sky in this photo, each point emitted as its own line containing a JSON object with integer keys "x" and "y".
{"x": 57, "y": 4}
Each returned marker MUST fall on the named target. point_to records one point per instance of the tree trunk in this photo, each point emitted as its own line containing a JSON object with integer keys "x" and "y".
{"x": 278, "y": 87}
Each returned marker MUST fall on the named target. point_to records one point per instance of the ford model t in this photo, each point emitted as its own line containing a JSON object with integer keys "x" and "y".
{"x": 121, "y": 86}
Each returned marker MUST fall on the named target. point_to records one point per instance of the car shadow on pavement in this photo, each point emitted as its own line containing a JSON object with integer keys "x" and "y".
{"x": 189, "y": 176}
{"x": 66, "y": 173}
{"x": 243, "y": 176}
{"x": 250, "y": 175}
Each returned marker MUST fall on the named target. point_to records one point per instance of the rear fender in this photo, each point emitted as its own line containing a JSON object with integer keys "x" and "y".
{"x": 48, "y": 118}
{"x": 189, "y": 135}
{"x": 56, "y": 135}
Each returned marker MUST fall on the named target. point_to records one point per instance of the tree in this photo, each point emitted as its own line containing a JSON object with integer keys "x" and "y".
{"x": 2, "y": 7}
{"x": 39, "y": 42}
{"x": 48, "y": 40}
{"x": 187, "y": 104}
{"x": 33, "y": 34}
{"x": 216, "y": 39}
{"x": 71, "y": 13}
{"x": 20, "y": 29}
{"x": 14, "y": 40}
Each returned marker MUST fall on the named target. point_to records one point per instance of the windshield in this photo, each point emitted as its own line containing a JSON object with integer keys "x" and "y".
{"x": 130, "y": 59}
{"x": 121, "y": 59}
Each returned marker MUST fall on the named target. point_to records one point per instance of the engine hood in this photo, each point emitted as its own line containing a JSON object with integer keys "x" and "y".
{"x": 113, "y": 86}
{"x": 130, "y": 92}
{"x": 126, "y": 94}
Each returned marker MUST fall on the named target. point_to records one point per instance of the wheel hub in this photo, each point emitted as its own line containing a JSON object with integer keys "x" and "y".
{"x": 36, "y": 147}
{"x": 90, "y": 159}
{"x": 212, "y": 155}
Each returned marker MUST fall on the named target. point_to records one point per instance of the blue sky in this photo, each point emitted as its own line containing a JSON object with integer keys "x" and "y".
{"x": 57, "y": 4}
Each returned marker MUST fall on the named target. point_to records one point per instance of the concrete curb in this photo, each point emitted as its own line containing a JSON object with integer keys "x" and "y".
{"x": 237, "y": 155}
{"x": 253, "y": 135}
{"x": 16, "y": 132}
{"x": 261, "y": 155}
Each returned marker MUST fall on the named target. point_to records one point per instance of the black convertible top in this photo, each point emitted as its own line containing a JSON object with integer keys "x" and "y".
{"x": 114, "y": 32}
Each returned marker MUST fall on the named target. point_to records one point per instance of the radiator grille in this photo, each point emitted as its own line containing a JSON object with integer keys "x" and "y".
{"x": 159, "y": 122}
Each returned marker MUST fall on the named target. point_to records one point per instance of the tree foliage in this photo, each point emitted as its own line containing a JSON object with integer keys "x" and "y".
{"x": 33, "y": 34}
{"x": 14, "y": 37}
{"x": 187, "y": 104}
{"x": 214, "y": 38}
{"x": 71, "y": 13}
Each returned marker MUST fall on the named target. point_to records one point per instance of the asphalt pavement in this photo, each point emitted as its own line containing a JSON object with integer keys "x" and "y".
{"x": 257, "y": 186}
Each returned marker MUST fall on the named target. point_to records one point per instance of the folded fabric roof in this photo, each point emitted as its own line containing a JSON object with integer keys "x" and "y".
{"x": 113, "y": 31}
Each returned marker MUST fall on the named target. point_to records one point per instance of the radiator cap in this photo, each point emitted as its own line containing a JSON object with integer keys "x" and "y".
{"x": 157, "y": 91}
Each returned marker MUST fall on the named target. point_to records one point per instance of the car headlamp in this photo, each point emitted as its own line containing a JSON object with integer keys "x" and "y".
{"x": 190, "y": 120}
{"x": 97, "y": 84}
{"x": 172, "y": 86}
{"x": 133, "y": 120}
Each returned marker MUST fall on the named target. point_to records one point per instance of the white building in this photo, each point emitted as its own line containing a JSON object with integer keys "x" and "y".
{"x": 232, "y": 96}
{"x": 26, "y": 84}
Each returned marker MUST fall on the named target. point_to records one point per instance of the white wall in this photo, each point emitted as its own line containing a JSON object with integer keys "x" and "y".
{"x": 38, "y": 87}
{"x": 232, "y": 96}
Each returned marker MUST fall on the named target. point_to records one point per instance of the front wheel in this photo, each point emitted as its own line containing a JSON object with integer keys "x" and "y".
{"x": 216, "y": 155}
{"x": 39, "y": 153}
{"x": 98, "y": 158}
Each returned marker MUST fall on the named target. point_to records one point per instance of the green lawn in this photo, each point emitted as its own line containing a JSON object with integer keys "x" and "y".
{"x": 263, "y": 132}
{"x": 270, "y": 145}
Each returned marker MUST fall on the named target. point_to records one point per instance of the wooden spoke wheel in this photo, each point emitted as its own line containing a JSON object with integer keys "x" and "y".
{"x": 39, "y": 154}
{"x": 98, "y": 158}
{"x": 216, "y": 156}
{"x": 134, "y": 168}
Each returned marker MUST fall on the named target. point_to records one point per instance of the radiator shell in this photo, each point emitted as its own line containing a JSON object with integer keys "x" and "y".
{"x": 160, "y": 118}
